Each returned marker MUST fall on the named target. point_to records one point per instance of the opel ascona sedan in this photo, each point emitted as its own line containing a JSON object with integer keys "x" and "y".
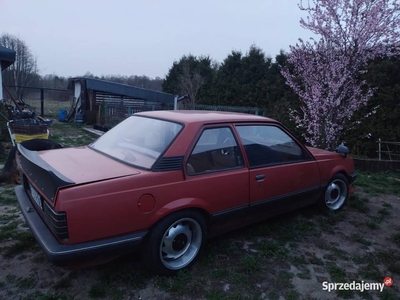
{"x": 163, "y": 181}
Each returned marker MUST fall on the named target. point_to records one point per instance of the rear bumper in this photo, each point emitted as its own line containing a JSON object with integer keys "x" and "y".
{"x": 68, "y": 255}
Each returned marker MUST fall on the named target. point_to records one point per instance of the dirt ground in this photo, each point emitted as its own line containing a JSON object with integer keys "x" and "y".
{"x": 287, "y": 257}
{"x": 265, "y": 261}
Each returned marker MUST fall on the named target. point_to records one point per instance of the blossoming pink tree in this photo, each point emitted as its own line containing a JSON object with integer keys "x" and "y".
{"x": 326, "y": 72}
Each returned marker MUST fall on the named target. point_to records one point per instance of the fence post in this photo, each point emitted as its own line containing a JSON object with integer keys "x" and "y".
{"x": 41, "y": 102}
{"x": 379, "y": 148}
{"x": 176, "y": 102}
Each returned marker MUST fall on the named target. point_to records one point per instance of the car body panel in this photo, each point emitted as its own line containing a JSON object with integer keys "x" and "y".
{"x": 331, "y": 163}
{"x": 282, "y": 183}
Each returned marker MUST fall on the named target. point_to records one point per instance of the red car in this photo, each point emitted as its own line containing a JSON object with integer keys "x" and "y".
{"x": 163, "y": 181}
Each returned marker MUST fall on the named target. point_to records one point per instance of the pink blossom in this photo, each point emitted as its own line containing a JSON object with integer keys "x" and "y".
{"x": 326, "y": 73}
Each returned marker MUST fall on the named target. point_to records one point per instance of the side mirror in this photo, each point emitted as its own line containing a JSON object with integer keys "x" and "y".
{"x": 342, "y": 149}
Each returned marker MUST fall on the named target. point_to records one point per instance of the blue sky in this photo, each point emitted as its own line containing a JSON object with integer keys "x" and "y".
{"x": 138, "y": 37}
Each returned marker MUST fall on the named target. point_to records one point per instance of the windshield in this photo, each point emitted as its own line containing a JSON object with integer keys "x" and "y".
{"x": 138, "y": 140}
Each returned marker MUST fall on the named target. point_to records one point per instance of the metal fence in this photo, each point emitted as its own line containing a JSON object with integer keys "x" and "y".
{"x": 115, "y": 112}
{"x": 239, "y": 109}
{"x": 45, "y": 102}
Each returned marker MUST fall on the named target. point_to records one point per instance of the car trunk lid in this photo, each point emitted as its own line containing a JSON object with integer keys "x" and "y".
{"x": 84, "y": 165}
{"x": 53, "y": 169}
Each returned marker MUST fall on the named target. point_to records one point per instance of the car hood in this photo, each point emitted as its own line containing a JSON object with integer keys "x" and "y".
{"x": 84, "y": 165}
{"x": 322, "y": 154}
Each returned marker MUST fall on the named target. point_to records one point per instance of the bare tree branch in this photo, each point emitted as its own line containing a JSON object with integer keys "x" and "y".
{"x": 24, "y": 70}
{"x": 190, "y": 82}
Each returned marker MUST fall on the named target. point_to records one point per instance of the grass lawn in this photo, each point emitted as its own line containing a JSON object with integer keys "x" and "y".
{"x": 287, "y": 257}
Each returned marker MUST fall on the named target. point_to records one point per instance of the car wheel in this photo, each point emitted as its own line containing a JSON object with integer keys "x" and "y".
{"x": 336, "y": 193}
{"x": 175, "y": 242}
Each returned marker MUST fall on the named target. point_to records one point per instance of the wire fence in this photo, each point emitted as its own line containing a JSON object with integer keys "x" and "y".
{"x": 45, "y": 102}
{"x": 112, "y": 109}
{"x": 239, "y": 109}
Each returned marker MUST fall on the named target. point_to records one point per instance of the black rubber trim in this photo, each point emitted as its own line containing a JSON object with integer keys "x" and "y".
{"x": 224, "y": 216}
{"x": 41, "y": 173}
{"x": 291, "y": 197}
{"x": 352, "y": 177}
{"x": 64, "y": 255}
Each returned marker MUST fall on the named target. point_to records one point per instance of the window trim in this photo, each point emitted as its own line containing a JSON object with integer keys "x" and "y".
{"x": 196, "y": 140}
{"x": 306, "y": 152}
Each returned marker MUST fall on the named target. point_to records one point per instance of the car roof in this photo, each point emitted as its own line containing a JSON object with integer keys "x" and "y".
{"x": 201, "y": 116}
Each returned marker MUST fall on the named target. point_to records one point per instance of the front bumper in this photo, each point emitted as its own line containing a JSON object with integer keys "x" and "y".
{"x": 68, "y": 255}
{"x": 352, "y": 177}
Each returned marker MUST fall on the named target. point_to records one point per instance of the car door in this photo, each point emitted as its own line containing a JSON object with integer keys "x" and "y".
{"x": 282, "y": 174}
{"x": 216, "y": 173}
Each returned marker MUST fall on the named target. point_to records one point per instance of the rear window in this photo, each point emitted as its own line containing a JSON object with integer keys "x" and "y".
{"x": 138, "y": 140}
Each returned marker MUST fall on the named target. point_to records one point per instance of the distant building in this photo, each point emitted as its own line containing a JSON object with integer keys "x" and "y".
{"x": 120, "y": 100}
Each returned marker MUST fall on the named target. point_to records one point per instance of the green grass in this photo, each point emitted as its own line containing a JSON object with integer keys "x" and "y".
{"x": 117, "y": 273}
{"x": 50, "y": 107}
{"x": 219, "y": 273}
{"x": 8, "y": 217}
{"x": 23, "y": 241}
{"x": 63, "y": 283}
{"x": 71, "y": 135}
{"x": 7, "y": 197}
{"x": 26, "y": 283}
{"x": 177, "y": 284}
{"x": 10, "y": 278}
{"x": 371, "y": 272}
{"x": 359, "y": 203}
{"x": 373, "y": 224}
{"x": 274, "y": 249}
{"x": 388, "y": 294}
{"x": 339, "y": 275}
{"x": 284, "y": 279}
{"x": 396, "y": 239}
{"x": 337, "y": 253}
{"x": 358, "y": 238}
{"x": 39, "y": 295}
{"x": 291, "y": 295}
{"x": 98, "y": 290}
{"x": 273, "y": 295}
{"x": 239, "y": 278}
{"x": 251, "y": 263}
{"x": 379, "y": 183}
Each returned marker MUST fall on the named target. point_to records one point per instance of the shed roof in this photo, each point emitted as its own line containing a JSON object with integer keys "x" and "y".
{"x": 123, "y": 90}
{"x": 7, "y": 57}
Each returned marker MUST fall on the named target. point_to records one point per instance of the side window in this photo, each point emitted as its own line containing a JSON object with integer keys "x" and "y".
{"x": 266, "y": 145}
{"x": 216, "y": 150}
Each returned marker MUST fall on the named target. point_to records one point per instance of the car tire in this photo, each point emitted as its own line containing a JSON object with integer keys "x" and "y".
{"x": 336, "y": 193}
{"x": 174, "y": 243}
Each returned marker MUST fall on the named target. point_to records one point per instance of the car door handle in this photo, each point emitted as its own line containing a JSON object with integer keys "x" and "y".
{"x": 260, "y": 177}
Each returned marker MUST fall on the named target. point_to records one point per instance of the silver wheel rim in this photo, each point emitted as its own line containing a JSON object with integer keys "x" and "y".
{"x": 181, "y": 243}
{"x": 336, "y": 194}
